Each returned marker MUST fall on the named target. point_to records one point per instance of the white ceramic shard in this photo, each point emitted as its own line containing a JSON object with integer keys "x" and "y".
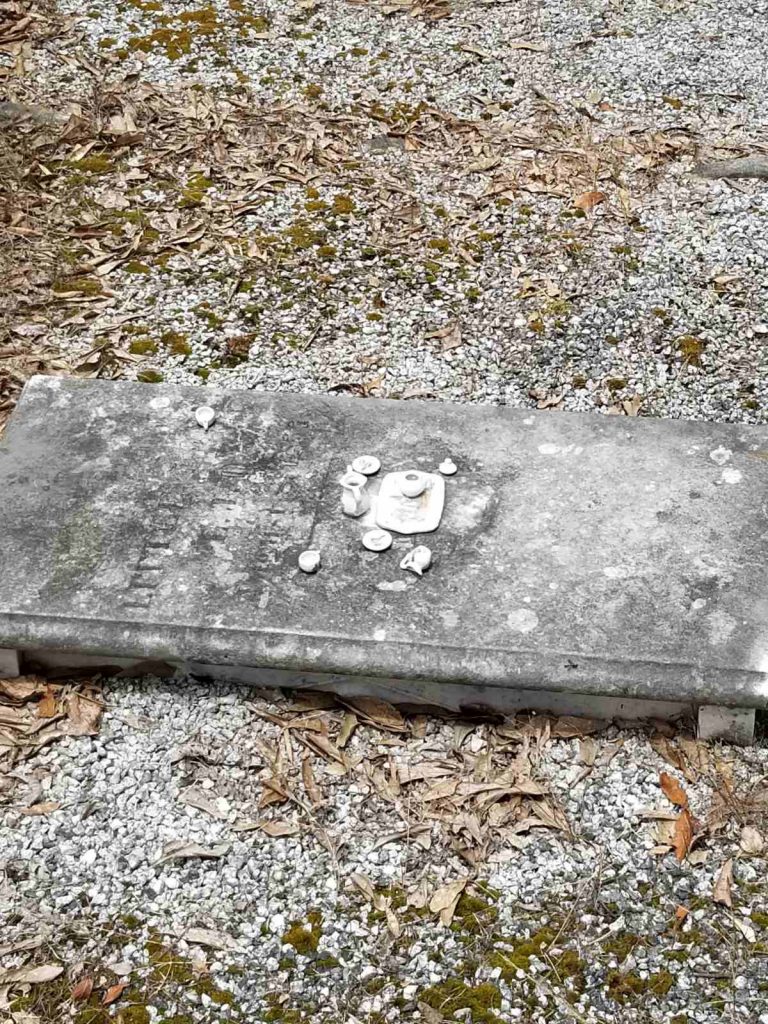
{"x": 447, "y": 467}
{"x": 399, "y": 514}
{"x": 417, "y": 560}
{"x": 412, "y": 483}
{"x": 354, "y": 499}
{"x": 377, "y": 540}
{"x": 309, "y": 561}
{"x": 205, "y": 416}
{"x": 368, "y": 465}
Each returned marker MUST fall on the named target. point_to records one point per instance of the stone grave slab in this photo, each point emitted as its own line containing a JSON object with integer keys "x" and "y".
{"x": 579, "y": 559}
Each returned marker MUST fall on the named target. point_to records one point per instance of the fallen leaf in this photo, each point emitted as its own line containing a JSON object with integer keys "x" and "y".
{"x": 182, "y": 850}
{"x": 587, "y": 751}
{"x": 523, "y": 44}
{"x": 47, "y": 807}
{"x": 198, "y": 798}
{"x": 377, "y": 712}
{"x": 47, "y": 706}
{"x": 745, "y": 928}
{"x": 449, "y": 336}
{"x": 82, "y": 989}
{"x": 589, "y": 200}
{"x": 84, "y": 714}
{"x": 751, "y": 842}
{"x": 22, "y": 688}
{"x": 30, "y": 975}
{"x": 722, "y": 891}
{"x": 310, "y": 785}
{"x": 672, "y": 790}
{"x": 348, "y": 725}
{"x": 445, "y": 899}
{"x": 393, "y": 924}
{"x": 681, "y": 913}
{"x": 364, "y": 884}
{"x": 277, "y": 829}
{"x": 209, "y": 937}
{"x": 113, "y": 993}
{"x": 683, "y": 835}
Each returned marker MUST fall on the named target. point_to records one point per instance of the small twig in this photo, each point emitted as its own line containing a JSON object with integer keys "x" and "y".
{"x": 743, "y": 167}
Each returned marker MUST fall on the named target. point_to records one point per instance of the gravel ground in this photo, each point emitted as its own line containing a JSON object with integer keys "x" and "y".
{"x": 487, "y": 202}
{"x": 338, "y": 922}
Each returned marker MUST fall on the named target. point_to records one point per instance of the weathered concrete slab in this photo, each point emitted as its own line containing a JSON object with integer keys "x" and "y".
{"x": 623, "y": 558}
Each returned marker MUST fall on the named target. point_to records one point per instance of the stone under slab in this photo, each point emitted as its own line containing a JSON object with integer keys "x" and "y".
{"x": 579, "y": 557}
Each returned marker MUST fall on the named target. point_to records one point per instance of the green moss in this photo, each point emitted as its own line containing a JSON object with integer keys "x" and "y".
{"x": 622, "y": 944}
{"x": 136, "y": 267}
{"x": 327, "y": 251}
{"x": 135, "y": 1014}
{"x": 439, "y": 244}
{"x": 616, "y": 383}
{"x": 204, "y": 311}
{"x": 194, "y": 191}
{"x": 302, "y": 235}
{"x": 176, "y": 343}
{"x": 203, "y": 373}
{"x": 626, "y": 987}
{"x": 759, "y": 918}
{"x": 106, "y": 42}
{"x": 315, "y": 206}
{"x": 304, "y": 940}
{"x": 518, "y": 956}
{"x": 448, "y": 997}
{"x": 80, "y": 285}
{"x": 150, "y": 377}
{"x": 343, "y": 205}
{"x": 92, "y": 164}
{"x": 142, "y": 347}
{"x": 313, "y": 91}
{"x": 691, "y": 349}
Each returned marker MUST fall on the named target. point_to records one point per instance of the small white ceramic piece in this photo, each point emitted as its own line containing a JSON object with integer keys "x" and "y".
{"x": 377, "y": 540}
{"x": 447, "y": 467}
{"x": 309, "y": 561}
{"x": 354, "y": 499}
{"x": 413, "y": 483}
{"x": 417, "y": 560}
{"x": 205, "y": 416}
{"x": 368, "y": 465}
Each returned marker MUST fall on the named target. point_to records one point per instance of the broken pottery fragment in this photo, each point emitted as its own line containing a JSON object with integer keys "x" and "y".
{"x": 205, "y": 416}
{"x": 309, "y": 561}
{"x": 417, "y": 560}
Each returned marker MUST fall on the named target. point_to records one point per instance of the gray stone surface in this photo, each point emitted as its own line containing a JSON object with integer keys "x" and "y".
{"x": 578, "y": 553}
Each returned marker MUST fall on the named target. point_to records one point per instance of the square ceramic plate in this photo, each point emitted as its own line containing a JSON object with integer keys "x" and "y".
{"x": 399, "y": 514}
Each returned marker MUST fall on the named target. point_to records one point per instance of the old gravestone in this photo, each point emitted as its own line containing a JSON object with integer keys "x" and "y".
{"x": 583, "y": 563}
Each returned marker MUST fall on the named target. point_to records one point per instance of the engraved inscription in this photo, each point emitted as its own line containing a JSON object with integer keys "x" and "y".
{"x": 147, "y": 571}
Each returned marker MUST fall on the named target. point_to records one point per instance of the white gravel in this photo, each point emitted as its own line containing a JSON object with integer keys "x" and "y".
{"x": 88, "y": 880}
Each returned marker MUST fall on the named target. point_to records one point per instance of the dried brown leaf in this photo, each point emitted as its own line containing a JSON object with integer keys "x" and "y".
{"x": 672, "y": 790}
{"x": 310, "y": 785}
{"x": 41, "y": 809}
{"x": 82, "y": 989}
{"x": 278, "y": 829}
{"x": 84, "y": 714}
{"x": 722, "y": 890}
{"x": 47, "y": 706}
{"x": 377, "y": 712}
{"x": 589, "y": 200}
{"x": 751, "y": 842}
{"x": 113, "y": 993}
{"x": 683, "y": 835}
{"x": 180, "y": 849}
{"x": 348, "y": 725}
{"x": 445, "y": 899}
{"x": 22, "y": 688}
{"x": 30, "y": 975}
